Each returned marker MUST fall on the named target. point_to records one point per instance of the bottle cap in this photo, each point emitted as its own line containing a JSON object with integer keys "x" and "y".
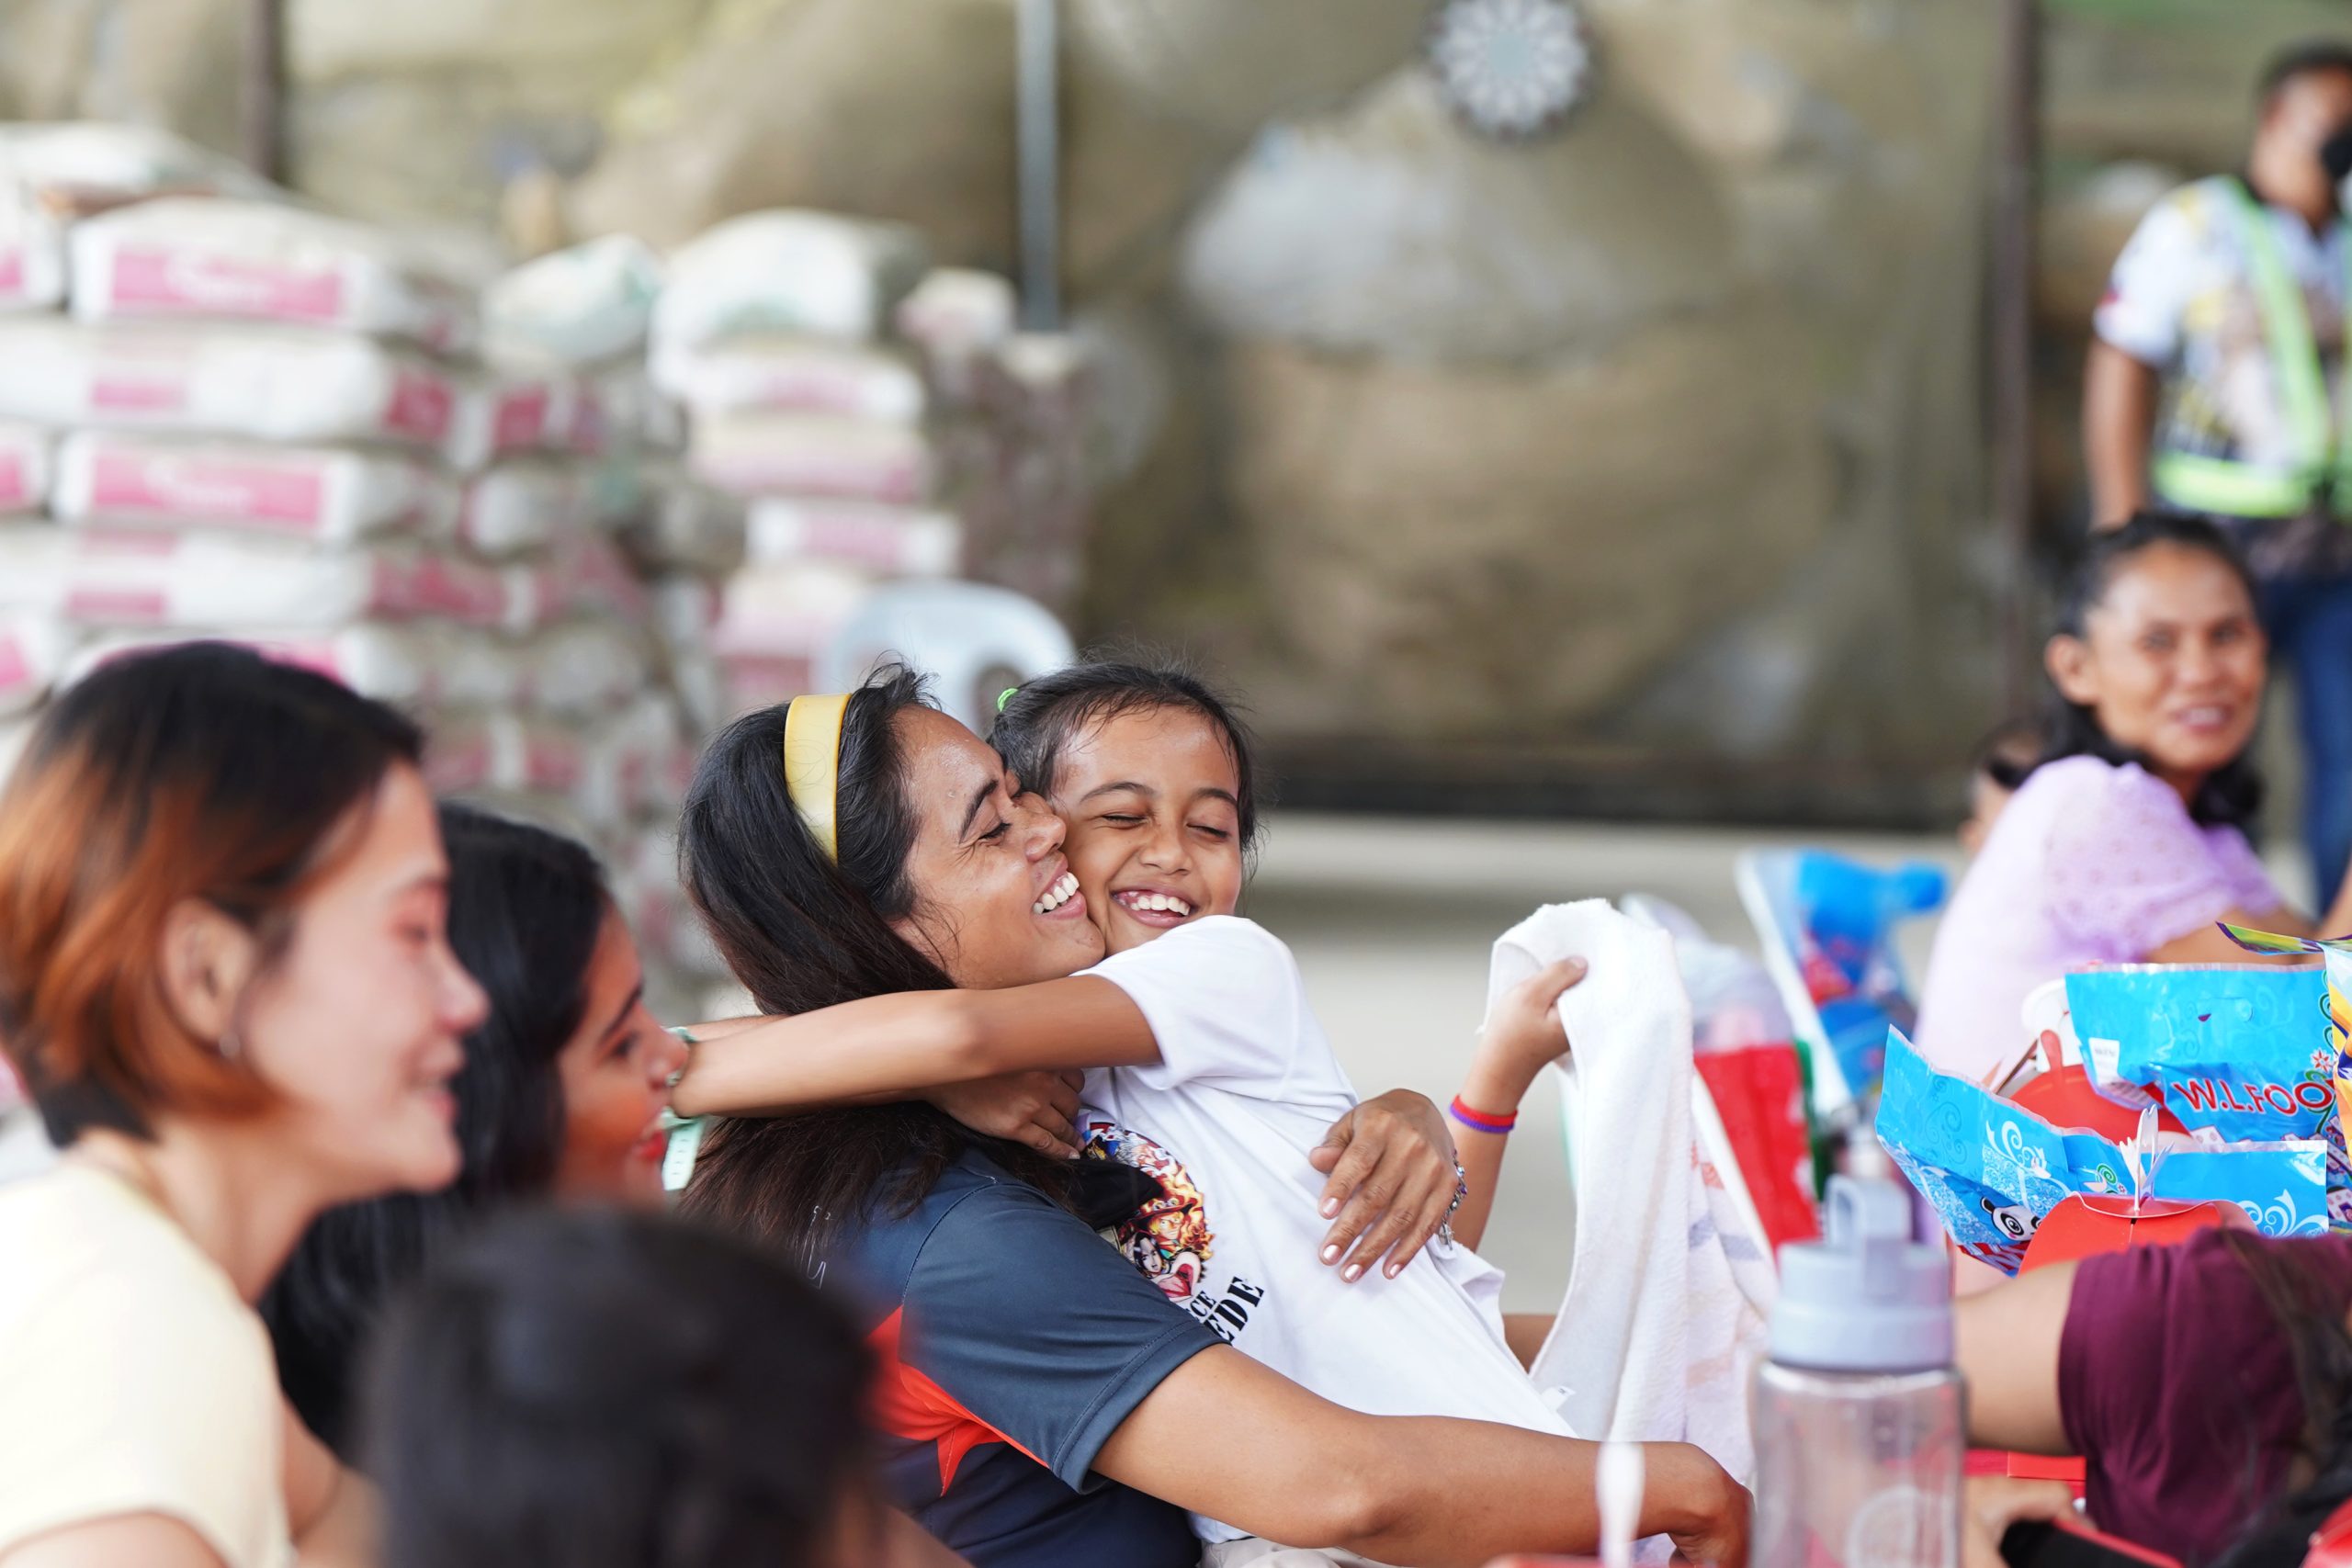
{"x": 1866, "y": 1298}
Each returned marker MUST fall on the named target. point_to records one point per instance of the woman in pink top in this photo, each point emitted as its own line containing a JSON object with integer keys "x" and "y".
{"x": 2127, "y": 842}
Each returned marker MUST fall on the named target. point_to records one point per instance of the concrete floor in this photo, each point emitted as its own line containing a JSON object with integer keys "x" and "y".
{"x": 1393, "y": 921}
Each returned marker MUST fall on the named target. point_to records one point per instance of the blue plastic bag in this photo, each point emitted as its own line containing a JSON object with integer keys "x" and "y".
{"x": 2247, "y": 1051}
{"x": 1993, "y": 1171}
{"x": 1828, "y": 925}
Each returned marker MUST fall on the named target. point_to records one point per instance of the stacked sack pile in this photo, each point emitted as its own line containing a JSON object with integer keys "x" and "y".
{"x": 232, "y": 416}
{"x": 49, "y": 177}
{"x": 879, "y": 420}
{"x": 628, "y": 692}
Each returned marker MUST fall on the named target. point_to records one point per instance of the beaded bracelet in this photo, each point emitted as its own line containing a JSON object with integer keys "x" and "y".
{"x": 1461, "y": 1191}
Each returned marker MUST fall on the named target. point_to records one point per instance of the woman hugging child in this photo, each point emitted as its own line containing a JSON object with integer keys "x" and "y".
{"x": 1203, "y": 1063}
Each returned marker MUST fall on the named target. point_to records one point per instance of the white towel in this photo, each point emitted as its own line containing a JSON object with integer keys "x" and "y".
{"x": 1657, "y": 1338}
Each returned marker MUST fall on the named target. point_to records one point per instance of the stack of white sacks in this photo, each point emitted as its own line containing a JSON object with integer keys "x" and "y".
{"x": 223, "y": 412}
{"x": 230, "y": 414}
{"x": 585, "y": 314}
{"x": 582, "y": 316}
{"x": 1014, "y": 420}
{"x": 880, "y": 421}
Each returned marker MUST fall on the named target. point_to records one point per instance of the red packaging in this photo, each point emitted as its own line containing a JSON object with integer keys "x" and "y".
{"x": 2064, "y": 1097}
{"x": 2331, "y": 1543}
{"x": 1759, "y": 1093}
{"x": 2086, "y": 1227}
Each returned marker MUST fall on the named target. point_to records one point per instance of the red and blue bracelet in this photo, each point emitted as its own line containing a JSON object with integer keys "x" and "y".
{"x": 1481, "y": 1120}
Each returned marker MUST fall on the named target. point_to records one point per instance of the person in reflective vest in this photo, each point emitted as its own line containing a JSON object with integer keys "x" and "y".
{"x": 2216, "y": 385}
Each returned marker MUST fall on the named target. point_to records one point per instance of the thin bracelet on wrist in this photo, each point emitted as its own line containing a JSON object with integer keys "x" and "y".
{"x": 685, "y": 1036}
{"x": 1481, "y": 1120}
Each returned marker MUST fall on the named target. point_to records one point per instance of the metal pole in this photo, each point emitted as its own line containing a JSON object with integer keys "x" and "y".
{"x": 1039, "y": 132}
{"x": 265, "y": 117}
{"x": 2014, "y": 192}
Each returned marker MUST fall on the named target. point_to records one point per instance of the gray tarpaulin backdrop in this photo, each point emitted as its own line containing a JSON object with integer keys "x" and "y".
{"x": 1641, "y": 467}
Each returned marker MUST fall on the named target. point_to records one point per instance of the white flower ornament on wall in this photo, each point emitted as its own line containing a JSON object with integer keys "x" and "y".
{"x": 1512, "y": 70}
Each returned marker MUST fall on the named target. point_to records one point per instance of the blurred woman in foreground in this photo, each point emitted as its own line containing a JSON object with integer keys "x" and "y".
{"x": 2207, "y": 1385}
{"x": 606, "y": 1390}
{"x": 225, "y": 979}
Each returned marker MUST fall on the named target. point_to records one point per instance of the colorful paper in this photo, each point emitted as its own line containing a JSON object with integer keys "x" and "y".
{"x": 2247, "y": 1051}
{"x": 1993, "y": 1171}
{"x": 2336, "y": 954}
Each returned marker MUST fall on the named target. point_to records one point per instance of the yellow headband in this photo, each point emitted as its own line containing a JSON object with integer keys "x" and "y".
{"x": 812, "y": 762}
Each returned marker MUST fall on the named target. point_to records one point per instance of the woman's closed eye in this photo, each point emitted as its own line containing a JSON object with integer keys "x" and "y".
{"x": 419, "y": 929}
{"x": 1213, "y": 830}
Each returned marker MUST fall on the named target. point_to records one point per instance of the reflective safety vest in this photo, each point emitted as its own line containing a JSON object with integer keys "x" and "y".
{"x": 2321, "y": 471}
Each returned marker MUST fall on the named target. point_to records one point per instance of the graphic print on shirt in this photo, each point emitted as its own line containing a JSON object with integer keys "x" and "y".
{"x": 2182, "y": 297}
{"x": 1169, "y": 1238}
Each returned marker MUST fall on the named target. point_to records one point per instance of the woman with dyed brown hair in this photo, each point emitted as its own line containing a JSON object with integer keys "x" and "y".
{"x": 225, "y": 979}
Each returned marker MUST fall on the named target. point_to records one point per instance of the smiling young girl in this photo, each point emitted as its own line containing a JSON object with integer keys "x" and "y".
{"x": 1157, "y": 778}
{"x": 1208, "y": 1070}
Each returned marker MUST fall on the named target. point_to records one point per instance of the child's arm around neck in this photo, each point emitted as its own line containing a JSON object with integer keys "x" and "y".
{"x": 893, "y": 1047}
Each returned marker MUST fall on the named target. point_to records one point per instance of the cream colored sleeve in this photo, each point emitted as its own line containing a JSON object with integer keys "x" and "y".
{"x": 129, "y": 1397}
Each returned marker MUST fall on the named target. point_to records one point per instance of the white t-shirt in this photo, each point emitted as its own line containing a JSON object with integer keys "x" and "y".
{"x": 2182, "y": 301}
{"x": 1247, "y": 1085}
{"x": 133, "y": 1379}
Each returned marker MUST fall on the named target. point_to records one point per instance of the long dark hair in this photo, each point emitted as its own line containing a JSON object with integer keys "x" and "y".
{"x": 2232, "y": 796}
{"x": 1041, "y": 718}
{"x": 2311, "y": 1318}
{"x": 603, "y": 1389}
{"x": 801, "y": 932}
{"x": 526, "y": 909}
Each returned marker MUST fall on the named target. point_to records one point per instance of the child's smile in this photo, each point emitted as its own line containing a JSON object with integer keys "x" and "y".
{"x": 1149, "y": 798}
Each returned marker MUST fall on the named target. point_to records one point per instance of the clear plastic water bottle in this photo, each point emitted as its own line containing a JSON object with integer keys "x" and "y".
{"x": 1860, "y": 1432}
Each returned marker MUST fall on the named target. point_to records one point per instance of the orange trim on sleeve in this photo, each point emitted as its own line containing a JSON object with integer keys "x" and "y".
{"x": 908, "y": 1404}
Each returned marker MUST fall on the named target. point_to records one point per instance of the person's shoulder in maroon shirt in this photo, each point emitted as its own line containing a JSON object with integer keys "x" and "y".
{"x": 2178, "y": 1384}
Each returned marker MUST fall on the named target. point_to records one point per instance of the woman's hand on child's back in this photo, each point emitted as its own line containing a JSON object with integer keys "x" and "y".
{"x": 1037, "y": 1109}
{"x": 1392, "y": 1184}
